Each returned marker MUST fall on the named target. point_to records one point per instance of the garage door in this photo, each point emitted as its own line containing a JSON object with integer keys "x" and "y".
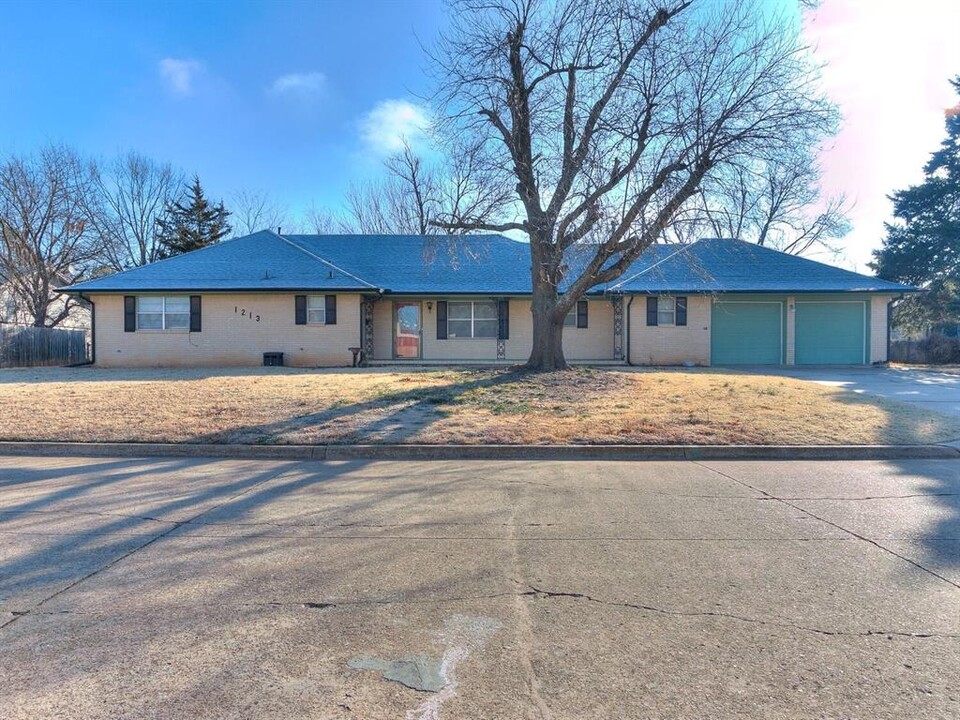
{"x": 746, "y": 333}
{"x": 831, "y": 333}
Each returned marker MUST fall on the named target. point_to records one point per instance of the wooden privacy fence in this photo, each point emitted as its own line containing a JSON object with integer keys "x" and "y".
{"x": 34, "y": 346}
{"x": 932, "y": 350}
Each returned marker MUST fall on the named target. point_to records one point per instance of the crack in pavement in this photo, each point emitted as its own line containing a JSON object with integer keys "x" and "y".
{"x": 93, "y": 513}
{"x": 540, "y": 593}
{"x": 533, "y": 592}
{"x": 808, "y": 513}
{"x": 138, "y": 548}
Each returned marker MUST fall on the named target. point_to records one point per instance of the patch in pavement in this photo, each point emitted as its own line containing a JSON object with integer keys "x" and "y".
{"x": 461, "y": 634}
{"x": 417, "y": 673}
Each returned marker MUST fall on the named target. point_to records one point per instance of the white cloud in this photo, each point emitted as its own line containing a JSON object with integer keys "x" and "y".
{"x": 180, "y": 74}
{"x": 385, "y": 128}
{"x": 301, "y": 84}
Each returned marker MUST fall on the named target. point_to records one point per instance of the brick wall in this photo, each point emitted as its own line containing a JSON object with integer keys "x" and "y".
{"x": 229, "y": 336}
{"x": 878, "y": 327}
{"x": 594, "y": 342}
{"x": 671, "y": 345}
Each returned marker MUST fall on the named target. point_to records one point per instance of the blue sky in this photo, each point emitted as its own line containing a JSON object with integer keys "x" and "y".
{"x": 294, "y": 98}
{"x": 299, "y": 99}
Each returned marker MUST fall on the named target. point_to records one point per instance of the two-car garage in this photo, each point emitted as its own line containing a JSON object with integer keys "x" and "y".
{"x": 755, "y": 331}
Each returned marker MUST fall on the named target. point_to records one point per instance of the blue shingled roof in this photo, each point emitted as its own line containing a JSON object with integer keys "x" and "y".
{"x": 724, "y": 265}
{"x": 262, "y": 261}
{"x": 429, "y": 263}
{"x": 477, "y": 264}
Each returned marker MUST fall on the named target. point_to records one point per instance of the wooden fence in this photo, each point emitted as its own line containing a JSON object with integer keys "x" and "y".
{"x": 932, "y": 350}
{"x": 33, "y": 346}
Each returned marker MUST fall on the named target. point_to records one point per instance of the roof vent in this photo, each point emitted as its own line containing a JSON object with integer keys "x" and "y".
{"x": 331, "y": 274}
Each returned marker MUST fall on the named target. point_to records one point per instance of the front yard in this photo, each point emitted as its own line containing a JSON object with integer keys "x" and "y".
{"x": 290, "y": 406}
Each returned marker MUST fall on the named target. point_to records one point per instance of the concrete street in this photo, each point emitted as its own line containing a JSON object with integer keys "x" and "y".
{"x": 186, "y": 588}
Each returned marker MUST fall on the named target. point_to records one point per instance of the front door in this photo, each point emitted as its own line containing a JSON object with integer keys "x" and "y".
{"x": 406, "y": 329}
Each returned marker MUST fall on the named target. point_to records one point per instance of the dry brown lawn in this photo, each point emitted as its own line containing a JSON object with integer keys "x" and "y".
{"x": 281, "y": 405}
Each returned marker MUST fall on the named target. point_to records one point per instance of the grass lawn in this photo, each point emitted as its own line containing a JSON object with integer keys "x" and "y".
{"x": 282, "y": 405}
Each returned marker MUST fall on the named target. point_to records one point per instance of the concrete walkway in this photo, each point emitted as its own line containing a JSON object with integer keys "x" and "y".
{"x": 199, "y": 588}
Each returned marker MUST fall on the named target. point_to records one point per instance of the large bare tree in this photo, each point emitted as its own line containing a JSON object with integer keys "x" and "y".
{"x": 605, "y": 118}
{"x": 45, "y": 235}
{"x": 131, "y": 196}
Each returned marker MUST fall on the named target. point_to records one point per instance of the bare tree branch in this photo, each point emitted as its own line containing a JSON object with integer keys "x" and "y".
{"x": 129, "y": 196}
{"x": 45, "y": 234}
{"x": 254, "y": 211}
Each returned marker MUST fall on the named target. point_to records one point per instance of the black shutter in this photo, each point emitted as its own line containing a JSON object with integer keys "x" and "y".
{"x": 681, "y": 311}
{"x": 503, "y": 319}
{"x": 129, "y": 313}
{"x": 441, "y": 320}
{"x": 581, "y": 313}
{"x": 330, "y": 312}
{"x": 651, "y": 311}
{"x": 300, "y": 310}
{"x": 195, "y": 313}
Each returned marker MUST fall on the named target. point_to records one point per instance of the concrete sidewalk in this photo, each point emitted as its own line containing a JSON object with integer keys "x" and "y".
{"x": 200, "y": 588}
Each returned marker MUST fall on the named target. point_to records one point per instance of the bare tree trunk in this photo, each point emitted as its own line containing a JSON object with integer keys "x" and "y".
{"x": 547, "y": 351}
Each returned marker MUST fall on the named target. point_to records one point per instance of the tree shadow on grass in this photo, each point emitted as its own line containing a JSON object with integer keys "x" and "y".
{"x": 393, "y": 417}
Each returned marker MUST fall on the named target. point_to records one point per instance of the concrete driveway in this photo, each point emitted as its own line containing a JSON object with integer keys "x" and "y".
{"x": 935, "y": 391}
{"x": 181, "y": 588}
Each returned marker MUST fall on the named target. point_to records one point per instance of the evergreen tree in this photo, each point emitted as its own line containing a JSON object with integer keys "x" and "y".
{"x": 191, "y": 223}
{"x": 922, "y": 246}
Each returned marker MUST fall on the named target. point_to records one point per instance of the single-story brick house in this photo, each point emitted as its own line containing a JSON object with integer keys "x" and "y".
{"x": 410, "y": 299}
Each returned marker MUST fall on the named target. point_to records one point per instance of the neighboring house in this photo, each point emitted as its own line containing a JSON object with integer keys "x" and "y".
{"x": 409, "y": 299}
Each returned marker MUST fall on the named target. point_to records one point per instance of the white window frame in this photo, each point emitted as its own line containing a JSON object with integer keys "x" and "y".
{"x": 473, "y": 319}
{"x": 672, "y": 312}
{"x": 163, "y": 312}
{"x": 313, "y": 310}
{"x": 570, "y": 319}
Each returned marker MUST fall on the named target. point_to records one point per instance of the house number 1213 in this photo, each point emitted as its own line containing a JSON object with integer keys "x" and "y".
{"x": 243, "y": 312}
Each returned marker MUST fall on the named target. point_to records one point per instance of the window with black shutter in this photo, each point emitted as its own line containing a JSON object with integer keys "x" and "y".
{"x": 651, "y": 310}
{"x": 503, "y": 319}
{"x": 681, "y": 311}
{"x": 331, "y": 310}
{"x": 195, "y": 319}
{"x": 300, "y": 310}
{"x": 581, "y": 313}
{"x": 441, "y": 320}
{"x": 130, "y": 313}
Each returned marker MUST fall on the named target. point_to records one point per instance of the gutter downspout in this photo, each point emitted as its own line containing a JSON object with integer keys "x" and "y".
{"x": 890, "y": 322}
{"x": 629, "y": 303}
